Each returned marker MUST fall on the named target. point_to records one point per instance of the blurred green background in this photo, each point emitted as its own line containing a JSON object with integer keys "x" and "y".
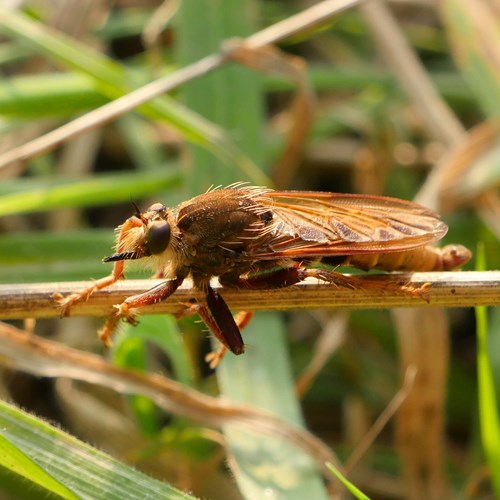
{"x": 367, "y": 135}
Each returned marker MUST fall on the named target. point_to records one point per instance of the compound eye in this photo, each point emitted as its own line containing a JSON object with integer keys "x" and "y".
{"x": 157, "y": 237}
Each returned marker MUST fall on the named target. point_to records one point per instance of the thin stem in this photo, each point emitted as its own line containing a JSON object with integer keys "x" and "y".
{"x": 45, "y": 358}
{"x": 302, "y": 21}
{"x": 447, "y": 289}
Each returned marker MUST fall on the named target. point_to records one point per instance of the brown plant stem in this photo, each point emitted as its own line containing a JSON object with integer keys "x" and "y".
{"x": 44, "y": 358}
{"x": 443, "y": 289}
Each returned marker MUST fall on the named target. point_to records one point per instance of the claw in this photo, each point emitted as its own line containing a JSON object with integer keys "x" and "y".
{"x": 215, "y": 357}
{"x": 189, "y": 309}
{"x": 66, "y": 303}
{"x": 420, "y": 291}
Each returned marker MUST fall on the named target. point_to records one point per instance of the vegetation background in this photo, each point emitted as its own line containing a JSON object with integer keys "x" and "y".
{"x": 375, "y": 99}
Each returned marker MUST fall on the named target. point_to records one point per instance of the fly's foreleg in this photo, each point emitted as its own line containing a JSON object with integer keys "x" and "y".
{"x": 65, "y": 303}
{"x": 127, "y": 310}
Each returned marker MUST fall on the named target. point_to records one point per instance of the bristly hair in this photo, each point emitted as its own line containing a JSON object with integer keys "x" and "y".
{"x": 243, "y": 186}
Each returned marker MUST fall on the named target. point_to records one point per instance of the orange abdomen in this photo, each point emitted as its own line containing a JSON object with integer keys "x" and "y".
{"x": 422, "y": 259}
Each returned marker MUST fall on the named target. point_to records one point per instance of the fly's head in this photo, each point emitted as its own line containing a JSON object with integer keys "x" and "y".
{"x": 146, "y": 235}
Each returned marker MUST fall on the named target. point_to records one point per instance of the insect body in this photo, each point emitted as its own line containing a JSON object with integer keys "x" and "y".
{"x": 260, "y": 238}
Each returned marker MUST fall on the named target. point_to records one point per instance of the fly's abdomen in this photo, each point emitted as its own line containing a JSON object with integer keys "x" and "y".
{"x": 422, "y": 259}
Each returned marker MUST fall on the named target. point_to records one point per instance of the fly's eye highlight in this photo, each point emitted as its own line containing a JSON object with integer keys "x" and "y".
{"x": 157, "y": 237}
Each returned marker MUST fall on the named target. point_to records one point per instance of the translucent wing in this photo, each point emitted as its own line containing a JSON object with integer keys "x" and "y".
{"x": 312, "y": 224}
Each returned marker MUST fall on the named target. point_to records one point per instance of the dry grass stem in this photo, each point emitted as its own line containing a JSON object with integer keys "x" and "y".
{"x": 304, "y": 20}
{"x": 446, "y": 289}
{"x": 40, "y": 357}
{"x": 383, "y": 419}
{"x": 440, "y": 120}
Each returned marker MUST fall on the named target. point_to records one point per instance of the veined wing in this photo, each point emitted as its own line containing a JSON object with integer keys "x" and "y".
{"x": 312, "y": 224}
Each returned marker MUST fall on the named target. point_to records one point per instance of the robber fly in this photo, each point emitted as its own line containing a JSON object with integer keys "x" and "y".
{"x": 258, "y": 238}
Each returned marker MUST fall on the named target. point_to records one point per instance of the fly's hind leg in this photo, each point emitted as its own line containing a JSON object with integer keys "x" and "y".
{"x": 280, "y": 277}
{"x": 241, "y": 320}
{"x": 226, "y": 328}
{"x": 283, "y": 277}
{"x": 219, "y": 319}
{"x": 216, "y": 315}
{"x": 364, "y": 283}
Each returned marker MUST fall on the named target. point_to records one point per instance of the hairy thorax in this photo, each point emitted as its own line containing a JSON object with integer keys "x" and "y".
{"x": 219, "y": 231}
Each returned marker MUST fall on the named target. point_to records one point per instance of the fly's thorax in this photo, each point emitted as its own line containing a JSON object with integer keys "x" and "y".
{"x": 219, "y": 229}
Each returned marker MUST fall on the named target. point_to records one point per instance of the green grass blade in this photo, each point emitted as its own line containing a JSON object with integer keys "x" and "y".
{"x": 17, "y": 464}
{"x": 164, "y": 332}
{"x": 130, "y": 351}
{"x": 261, "y": 377}
{"x": 488, "y": 404}
{"x": 104, "y": 189}
{"x": 52, "y": 94}
{"x": 235, "y": 92}
{"x": 357, "y": 493}
{"x": 115, "y": 80}
{"x": 475, "y": 46}
{"x": 39, "y": 257}
{"x": 84, "y": 470}
{"x": 488, "y": 408}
